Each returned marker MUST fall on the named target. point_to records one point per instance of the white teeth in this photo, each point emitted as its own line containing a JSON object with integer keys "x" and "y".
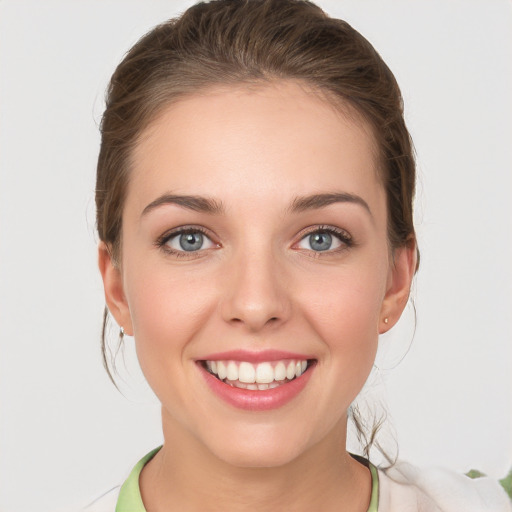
{"x": 246, "y": 373}
{"x": 266, "y": 375}
{"x": 280, "y": 371}
{"x": 290, "y": 370}
{"x": 232, "y": 371}
{"x": 221, "y": 370}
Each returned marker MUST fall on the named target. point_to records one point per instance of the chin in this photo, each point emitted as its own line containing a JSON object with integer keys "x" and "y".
{"x": 258, "y": 458}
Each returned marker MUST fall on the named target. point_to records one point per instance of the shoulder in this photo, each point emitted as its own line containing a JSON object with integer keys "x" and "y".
{"x": 104, "y": 503}
{"x": 407, "y": 488}
{"x": 128, "y": 493}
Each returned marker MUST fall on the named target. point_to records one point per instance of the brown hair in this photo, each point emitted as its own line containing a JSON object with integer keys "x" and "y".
{"x": 226, "y": 42}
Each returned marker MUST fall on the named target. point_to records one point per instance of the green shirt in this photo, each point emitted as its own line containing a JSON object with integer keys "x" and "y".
{"x": 130, "y": 499}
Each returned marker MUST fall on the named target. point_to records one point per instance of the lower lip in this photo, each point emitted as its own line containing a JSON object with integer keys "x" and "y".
{"x": 253, "y": 400}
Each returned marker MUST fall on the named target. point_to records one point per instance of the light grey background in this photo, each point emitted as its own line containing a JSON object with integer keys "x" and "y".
{"x": 66, "y": 434}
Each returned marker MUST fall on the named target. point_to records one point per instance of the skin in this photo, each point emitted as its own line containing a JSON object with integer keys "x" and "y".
{"x": 257, "y": 285}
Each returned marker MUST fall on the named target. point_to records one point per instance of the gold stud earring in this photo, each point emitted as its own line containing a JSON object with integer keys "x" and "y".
{"x": 386, "y": 320}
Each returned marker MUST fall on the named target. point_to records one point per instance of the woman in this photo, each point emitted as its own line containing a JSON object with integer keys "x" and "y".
{"x": 254, "y": 205}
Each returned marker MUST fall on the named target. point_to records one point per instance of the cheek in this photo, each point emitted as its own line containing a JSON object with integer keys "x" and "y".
{"x": 167, "y": 310}
{"x": 349, "y": 295}
{"x": 346, "y": 314}
{"x": 353, "y": 310}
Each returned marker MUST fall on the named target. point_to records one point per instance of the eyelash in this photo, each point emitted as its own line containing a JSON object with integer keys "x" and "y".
{"x": 342, "y": 235}
{"x": 162, "y": 241}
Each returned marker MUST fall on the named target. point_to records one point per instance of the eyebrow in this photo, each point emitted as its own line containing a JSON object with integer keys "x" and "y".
{"x": 316, "y": 201}
{"x": 195, "y": 203}
{"x": 299, "y": 204}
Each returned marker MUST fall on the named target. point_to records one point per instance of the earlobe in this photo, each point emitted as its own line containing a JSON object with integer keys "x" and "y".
{"x": 114, "y": 289}
{"x": 401, "y": 274}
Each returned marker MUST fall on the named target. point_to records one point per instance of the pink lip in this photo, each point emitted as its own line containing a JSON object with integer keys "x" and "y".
{"x": 254, "y": 357}
{"x": 257, "y": 400}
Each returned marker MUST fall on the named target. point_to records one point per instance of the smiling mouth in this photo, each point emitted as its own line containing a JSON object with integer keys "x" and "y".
{"x": 257, "y": 377}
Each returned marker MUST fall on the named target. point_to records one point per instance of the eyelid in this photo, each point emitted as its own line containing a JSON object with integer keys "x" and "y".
{"x": 162, "y": 240}
{"x": 342, "y": 235}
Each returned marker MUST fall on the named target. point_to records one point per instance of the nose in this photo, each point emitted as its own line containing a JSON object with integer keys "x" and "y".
{"x": 255, "y": 293}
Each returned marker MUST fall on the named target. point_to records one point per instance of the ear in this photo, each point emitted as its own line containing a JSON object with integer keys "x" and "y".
{"x": 400, "y": 276}
{"x": 114, "y": 290}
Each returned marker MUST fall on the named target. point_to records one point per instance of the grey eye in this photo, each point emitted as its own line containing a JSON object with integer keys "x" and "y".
{"x": 191, "y": 241}
{"x": 320, "y": 241}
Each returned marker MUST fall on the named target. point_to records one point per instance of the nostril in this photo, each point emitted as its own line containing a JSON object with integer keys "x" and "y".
{"x": 272, "y": 320}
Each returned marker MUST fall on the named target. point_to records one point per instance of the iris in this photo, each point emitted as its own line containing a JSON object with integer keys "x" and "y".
{"x": 320, "y": 241}
{"x": 191, "y": 241}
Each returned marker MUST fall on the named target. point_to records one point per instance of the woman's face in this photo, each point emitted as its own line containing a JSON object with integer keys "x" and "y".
{"x": 254, "y": 242}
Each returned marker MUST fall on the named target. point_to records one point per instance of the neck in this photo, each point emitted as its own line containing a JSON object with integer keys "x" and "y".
{"x": 184, "y": 475}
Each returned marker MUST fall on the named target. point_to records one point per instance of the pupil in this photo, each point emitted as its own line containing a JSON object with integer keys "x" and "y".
{"x": 191, "y": 241}
{"x": 320, "y": 241}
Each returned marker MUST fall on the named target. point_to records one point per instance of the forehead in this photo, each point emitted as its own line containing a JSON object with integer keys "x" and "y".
{"x": 265, "y": 141}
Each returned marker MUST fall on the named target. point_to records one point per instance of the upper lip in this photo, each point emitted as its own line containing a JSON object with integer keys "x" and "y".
{"x": 254, "y": 356}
